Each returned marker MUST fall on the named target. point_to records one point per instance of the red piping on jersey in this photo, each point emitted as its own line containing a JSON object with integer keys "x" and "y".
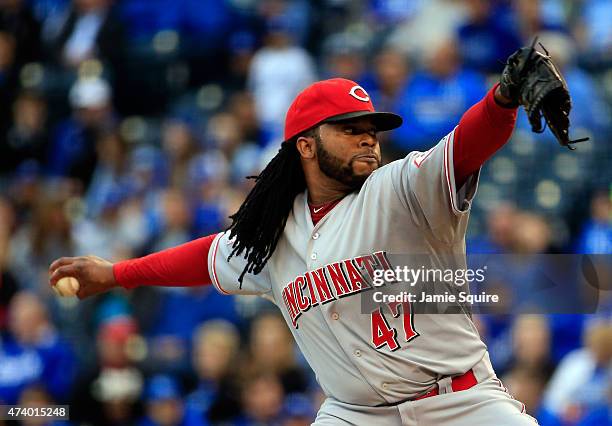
{"x": 427, "y": 154}
{"x": 215, "y": 279}
{"x": 447, "y": 171}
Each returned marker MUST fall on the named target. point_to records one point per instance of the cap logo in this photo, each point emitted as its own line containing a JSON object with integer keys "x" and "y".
{"x": 364, "y": 97}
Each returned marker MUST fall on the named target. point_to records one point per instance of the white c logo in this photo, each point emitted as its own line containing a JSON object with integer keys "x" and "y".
{"x": 363, "y": 98}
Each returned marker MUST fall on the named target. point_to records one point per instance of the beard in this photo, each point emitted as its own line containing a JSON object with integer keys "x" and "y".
{"x": 334, "y": 168}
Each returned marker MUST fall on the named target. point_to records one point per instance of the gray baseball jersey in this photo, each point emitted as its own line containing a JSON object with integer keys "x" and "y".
{"x": 316, "y": 273}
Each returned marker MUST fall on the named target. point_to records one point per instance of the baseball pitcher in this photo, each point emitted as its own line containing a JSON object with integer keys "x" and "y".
{"x": 321, "y": 218}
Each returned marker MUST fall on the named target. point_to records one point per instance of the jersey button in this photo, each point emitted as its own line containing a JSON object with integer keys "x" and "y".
{"x": 335, "y": 316}
{"x": 357, "y": 353}
{"x": 315, "y": 236}
{"x": 313, "y": 256}
{"x": 385, "y": 385}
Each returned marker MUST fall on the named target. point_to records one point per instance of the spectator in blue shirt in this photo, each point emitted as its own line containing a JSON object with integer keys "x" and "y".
{"x": 436, "y": 98}
{"x": 164, "y": 404}
{"x": 578, "y": 392}
{"x": 595, "y": 33}
{"x": 179, "y": 312}
{"x": 109, "y": 174}
{"x": 262, "y": 400}
{"x": 207, "y": 181}
{"x": 596, "y": 236}
{"x": 72, "y": 152}
{"x": 32, "y": 353}
{"x": 344, "y": 56}
{"x": 485, "y": 39}
{"x": 215, "y": 351}
{"x": 532, "y": 17}
{"x": 388, "y": 80}
{"x": 298, "y": 410}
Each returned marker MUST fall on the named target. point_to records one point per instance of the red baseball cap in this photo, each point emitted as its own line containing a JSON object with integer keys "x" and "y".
{"x": 334, "y": 100}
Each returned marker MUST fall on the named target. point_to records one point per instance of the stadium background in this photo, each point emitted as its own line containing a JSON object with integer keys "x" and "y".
{"x": 127, "y": 127}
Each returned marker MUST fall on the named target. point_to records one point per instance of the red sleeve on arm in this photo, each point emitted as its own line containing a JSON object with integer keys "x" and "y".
{"x": 181, "y": 266}
{"x": 483, "y": 129}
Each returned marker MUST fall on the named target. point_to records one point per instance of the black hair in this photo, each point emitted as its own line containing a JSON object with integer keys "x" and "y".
{"x": 260, "y": 221}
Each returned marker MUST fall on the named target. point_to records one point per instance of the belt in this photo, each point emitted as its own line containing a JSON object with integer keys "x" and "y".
{"x": 458, "y": 383}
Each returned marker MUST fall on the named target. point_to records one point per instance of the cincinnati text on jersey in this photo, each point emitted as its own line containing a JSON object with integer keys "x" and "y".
{"x": 330, "y": 282}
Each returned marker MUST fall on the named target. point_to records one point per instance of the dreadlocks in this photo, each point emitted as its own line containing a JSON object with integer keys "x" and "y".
{"x": 260, "y": 221}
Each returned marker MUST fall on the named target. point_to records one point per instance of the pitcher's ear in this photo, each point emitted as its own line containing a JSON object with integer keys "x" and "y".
{"x": 306, "y": 146}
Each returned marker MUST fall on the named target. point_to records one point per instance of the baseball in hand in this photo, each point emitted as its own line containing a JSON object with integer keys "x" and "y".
{"x": 67, "y": 287}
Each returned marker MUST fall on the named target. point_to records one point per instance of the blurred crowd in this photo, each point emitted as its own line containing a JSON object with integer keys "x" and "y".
{"x": 129, "y": 126}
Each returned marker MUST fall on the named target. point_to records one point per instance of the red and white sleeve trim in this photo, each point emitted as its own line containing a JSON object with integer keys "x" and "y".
{"x": 450, "y": 176}
{"x": 212, "y": 264}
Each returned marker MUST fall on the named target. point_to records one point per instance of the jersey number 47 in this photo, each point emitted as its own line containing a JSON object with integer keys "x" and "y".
{"x": 385, "y": 335}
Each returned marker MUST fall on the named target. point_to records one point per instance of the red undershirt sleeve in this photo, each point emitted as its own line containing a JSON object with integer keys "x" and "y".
{"x": 482, "y": 130}
{"x": 181, "y": 266}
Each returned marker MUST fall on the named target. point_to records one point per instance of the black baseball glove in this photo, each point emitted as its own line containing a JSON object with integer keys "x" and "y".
{"x": 531, "y": 79}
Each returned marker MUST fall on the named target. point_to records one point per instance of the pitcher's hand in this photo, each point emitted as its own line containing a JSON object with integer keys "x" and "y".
{"x": 95, "y": 275}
